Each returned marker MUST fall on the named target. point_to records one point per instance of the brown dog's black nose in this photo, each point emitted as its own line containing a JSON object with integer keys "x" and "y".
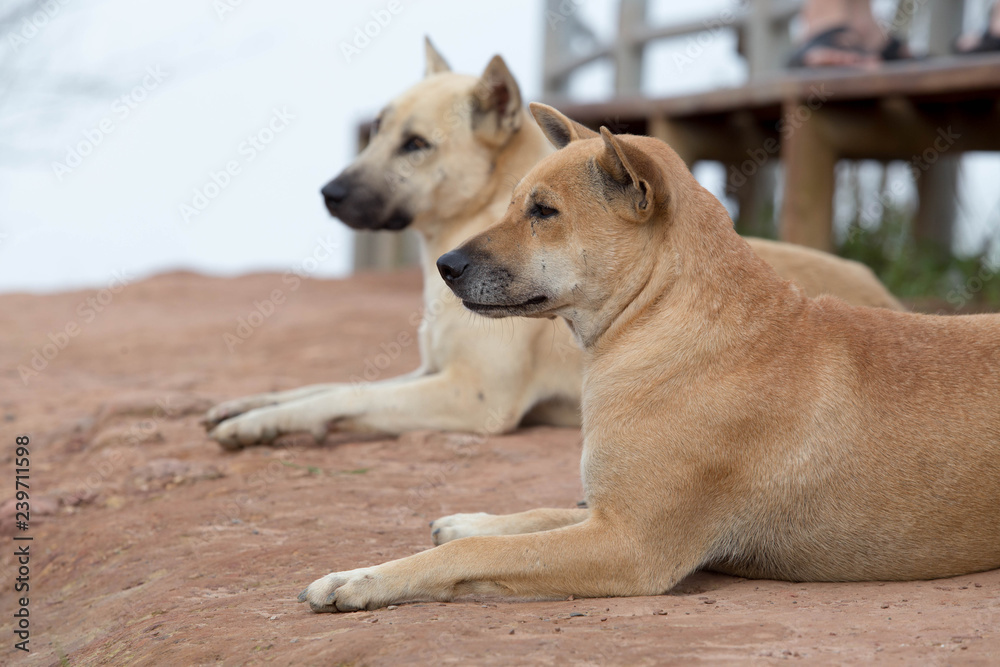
{"x": 452, "y": 265}
{"x": 335, "y": 191}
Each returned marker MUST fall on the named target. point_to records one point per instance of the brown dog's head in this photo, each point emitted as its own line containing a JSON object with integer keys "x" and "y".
{"x": 584, "y": 228}
{"x": 432, "y": 150}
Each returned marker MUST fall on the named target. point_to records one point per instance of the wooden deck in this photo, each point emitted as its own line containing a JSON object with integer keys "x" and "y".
{"x": 914, "y": 111}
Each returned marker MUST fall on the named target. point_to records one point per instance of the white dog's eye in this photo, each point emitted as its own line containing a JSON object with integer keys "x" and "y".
{"x": 415, "y": 143}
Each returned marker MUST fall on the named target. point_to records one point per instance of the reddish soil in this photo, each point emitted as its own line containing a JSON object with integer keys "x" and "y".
{"x": 153, "y": 546}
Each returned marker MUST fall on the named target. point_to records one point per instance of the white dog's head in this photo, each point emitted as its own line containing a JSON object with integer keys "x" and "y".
{"x": 433, "y": 150}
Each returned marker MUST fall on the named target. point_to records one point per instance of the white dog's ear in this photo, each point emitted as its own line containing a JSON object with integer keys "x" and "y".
{"x": 435, "y": 61}
{"x": 497, "y": 102}
{"x": 636, "y": 175}
{"x": 559, "y": 129}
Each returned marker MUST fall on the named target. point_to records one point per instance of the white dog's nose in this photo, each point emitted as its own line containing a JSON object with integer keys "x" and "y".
{"x": 335, "y": 191}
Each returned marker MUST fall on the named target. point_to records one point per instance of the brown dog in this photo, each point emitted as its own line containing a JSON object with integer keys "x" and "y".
{"x": 730, "y": 421}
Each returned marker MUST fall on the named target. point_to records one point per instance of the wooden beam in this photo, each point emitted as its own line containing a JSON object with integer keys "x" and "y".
{"x": 809, "y": 159}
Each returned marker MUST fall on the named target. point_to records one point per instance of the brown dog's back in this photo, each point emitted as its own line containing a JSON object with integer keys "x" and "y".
{"x": 895, "y": 417}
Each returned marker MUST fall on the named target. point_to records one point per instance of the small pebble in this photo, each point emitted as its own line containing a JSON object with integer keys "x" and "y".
{"x": 392, "y": 606}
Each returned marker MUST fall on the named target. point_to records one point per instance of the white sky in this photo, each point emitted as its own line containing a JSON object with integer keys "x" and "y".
{"x": 118, "y": 211}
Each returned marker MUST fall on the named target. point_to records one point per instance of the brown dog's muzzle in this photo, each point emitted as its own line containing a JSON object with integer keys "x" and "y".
{"x": 487, "y": 288}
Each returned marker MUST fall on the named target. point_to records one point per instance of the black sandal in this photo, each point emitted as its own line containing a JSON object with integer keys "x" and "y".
{"x": 988, "y": 43}
{"x": 830, "y": 39}
{"x": 894, "y": 49}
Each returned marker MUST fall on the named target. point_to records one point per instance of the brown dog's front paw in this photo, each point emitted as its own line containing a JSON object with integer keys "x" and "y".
{"x": 343, "y": 591}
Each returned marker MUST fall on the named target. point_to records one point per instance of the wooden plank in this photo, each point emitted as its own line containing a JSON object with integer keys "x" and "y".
{"x": 809, "y": 158}
{"x": 943, "y": 79}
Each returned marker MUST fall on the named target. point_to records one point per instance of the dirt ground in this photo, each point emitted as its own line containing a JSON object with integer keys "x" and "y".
{"x": 151, "y": 545}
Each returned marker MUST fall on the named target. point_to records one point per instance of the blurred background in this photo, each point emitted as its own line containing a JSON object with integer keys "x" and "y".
{"x": 140, "y": 137}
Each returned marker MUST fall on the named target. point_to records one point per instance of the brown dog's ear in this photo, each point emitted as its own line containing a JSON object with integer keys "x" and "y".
{"x": 559, "y": 129}
{"x": 497, "y": 104}
{"x": 637, "y": 176}
{"x": 435, "y": 61}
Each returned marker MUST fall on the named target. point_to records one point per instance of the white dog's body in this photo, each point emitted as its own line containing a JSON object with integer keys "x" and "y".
{"x": 444, "y": 157}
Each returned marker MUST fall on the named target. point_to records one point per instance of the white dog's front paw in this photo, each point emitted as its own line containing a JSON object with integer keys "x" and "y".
{"x": 263, "y": 425}
{"x": 245, "y": 430}
{"x": 457, "y": 526}
{"x": 353, "y": 590}
{"x": 238, "y": 406}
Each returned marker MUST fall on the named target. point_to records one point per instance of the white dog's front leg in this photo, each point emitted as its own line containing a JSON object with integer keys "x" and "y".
{"x": 457, "y": 526}
{"x": 238, "y": 406}
{"x": 440, "y": 401}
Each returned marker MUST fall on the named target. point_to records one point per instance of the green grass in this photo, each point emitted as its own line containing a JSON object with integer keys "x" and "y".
{"x": 915, "y": 270}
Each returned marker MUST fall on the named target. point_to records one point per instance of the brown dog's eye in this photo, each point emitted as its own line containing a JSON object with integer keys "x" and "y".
{"x": 541, "y": 211}
{"x": 374, "y": 127}
{"x": 415, "y": 143}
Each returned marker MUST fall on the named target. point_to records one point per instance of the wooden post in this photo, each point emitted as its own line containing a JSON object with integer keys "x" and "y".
{"x": 937, "y": 188}
{"x": 809, "y": 160}
{"x": 553, "y": 44}
{"x": 628, "y": 54}
{"x": 668, "y": 132}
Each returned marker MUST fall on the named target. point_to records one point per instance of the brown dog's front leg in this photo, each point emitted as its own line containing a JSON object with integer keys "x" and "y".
{"x": 590, "y": 559}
